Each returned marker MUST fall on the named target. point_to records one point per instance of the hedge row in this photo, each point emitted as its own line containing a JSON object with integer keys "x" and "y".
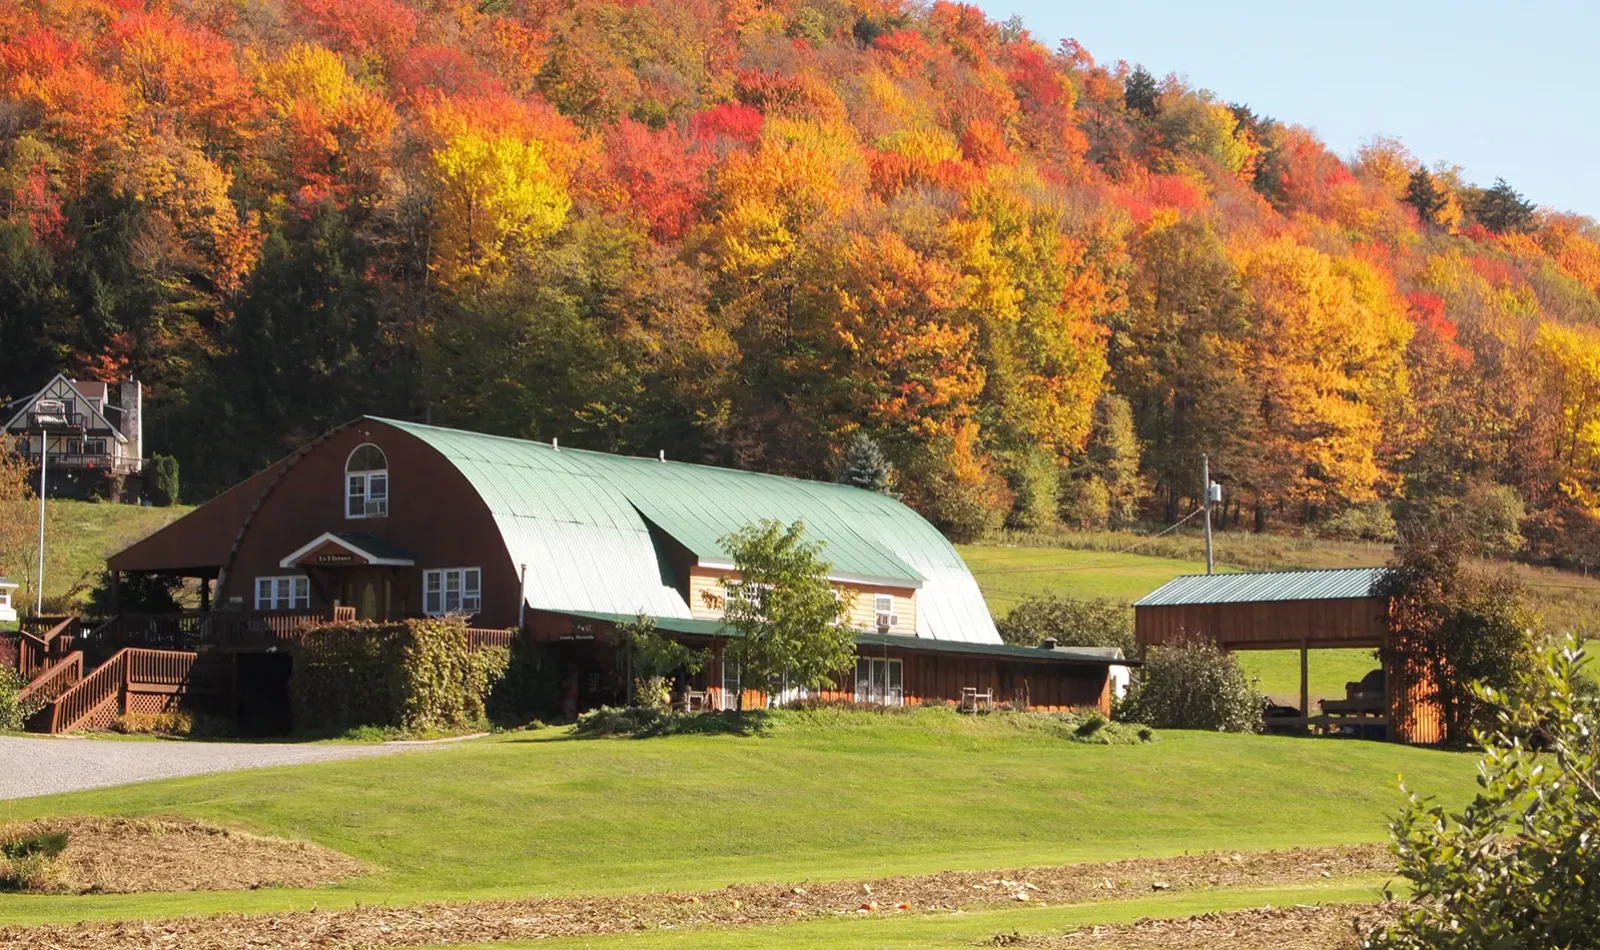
{"x": 418, "y": 676}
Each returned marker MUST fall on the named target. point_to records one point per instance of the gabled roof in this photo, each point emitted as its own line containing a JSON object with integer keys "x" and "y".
{"x": 371, "y": 550}
{"x": 582, "y": 523}
{"x": 71, "y": 385}
{"x": 1264, "y": 586}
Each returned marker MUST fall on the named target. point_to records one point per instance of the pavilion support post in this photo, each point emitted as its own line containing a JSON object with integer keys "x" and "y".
{"x": 116, "y": 593}
{"x": 205, "y": 594}
{"x": 1305, "y": 683}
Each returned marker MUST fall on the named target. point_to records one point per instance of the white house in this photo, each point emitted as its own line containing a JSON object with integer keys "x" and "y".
{"x": 93, "y": 431}
{"x": 8, "y": 613}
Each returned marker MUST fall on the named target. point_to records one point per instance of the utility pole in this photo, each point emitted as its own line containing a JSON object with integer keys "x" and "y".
{"x": 1205, "y": 493}
{"x": 44, "y": 463}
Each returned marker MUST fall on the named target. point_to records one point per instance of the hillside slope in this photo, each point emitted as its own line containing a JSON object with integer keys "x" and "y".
{"x": 739, "y": 232}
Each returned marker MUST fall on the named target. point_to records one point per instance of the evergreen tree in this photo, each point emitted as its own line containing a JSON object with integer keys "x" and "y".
{"x": 1140, "y": 92}
{"x": 163, "y": 480}
{"x": 1113, "y": 457}
{"x": 1502, "y": 210}
{"x": 865, "y": 466}
{"x": 1424, "y": 194}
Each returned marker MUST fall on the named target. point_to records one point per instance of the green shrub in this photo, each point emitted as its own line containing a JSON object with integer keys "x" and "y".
{"x": 1516, "y": 868}
{"x": 163, "y": 480}
{"x": 1035, "y": 482}
{"x": 417, "y": 676}
{"x": 1193, "y": 685}
{"x": 645, "y": 722}
{"x": 1073, "y": 623}
{"x": 1086, "y": 504}
{"x": 13, "y": 711}
{"x": 1371, "y": 521}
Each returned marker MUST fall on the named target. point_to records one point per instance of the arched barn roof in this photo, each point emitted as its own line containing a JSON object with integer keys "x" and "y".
{"x": 590, "y": 526}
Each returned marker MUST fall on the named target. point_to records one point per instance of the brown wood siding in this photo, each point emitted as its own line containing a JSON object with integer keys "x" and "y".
{"x": 434, "y": 514}
{"x": 199, "y": 541}
{"x": 933, "y": 678}
{"x": 1413, "y": 716}
{"x": 1347, "y": 622}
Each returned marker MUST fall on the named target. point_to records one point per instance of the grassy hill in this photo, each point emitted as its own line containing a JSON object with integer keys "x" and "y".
{"x": 824, "y": 796}
{"x": 79, "y": 535}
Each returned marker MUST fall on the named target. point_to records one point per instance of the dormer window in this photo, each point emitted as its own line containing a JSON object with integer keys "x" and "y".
{"x": 366, "y": 483}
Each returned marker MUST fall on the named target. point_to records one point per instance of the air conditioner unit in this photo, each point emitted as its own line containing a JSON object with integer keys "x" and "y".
{"x": 377, "y": 507}
{"x": 888, "y": 620}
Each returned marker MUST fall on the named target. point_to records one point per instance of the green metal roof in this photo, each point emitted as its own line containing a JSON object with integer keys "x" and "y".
{"x": 1264, "y": 586}
{"x": 1097, "y": 656}
{"x": 581, "y": 522}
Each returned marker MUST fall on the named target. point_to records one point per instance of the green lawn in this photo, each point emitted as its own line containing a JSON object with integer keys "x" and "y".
{"x": 78, "y": 537}
{"x": 1007, "y": 575}
{"x": 966, "y": 928}
{"x": 540, "y": 813}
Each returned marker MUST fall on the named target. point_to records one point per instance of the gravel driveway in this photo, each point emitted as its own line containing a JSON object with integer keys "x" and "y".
{"x": 44, "y": 766}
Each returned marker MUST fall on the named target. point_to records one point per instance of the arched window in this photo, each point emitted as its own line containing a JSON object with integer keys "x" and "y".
{"x": 366, "y": 483}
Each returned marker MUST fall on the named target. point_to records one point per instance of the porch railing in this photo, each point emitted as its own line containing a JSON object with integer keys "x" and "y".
{"x": 190, "y": 630}
{"x": 478, "y": 637}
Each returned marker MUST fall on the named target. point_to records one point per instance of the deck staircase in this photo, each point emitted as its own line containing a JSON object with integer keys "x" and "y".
{"x": 80, "y": 678}
{"x": 71, "y": 693}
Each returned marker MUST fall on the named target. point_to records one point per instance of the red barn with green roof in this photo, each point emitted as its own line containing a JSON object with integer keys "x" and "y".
{"x": 395, "y": 519}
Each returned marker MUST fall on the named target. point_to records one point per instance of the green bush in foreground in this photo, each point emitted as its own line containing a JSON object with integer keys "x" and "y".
{"x": 1193, "y": 685}
{"x": 13, "y": 712}
{"x": 1519, "y": 867}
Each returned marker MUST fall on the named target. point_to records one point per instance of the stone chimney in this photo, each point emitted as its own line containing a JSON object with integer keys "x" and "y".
{"x": 131, "y": 397}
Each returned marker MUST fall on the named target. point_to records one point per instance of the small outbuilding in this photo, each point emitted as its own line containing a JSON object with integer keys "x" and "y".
{"x": 8, "y": 611}
{"x": 1305, "y": 611}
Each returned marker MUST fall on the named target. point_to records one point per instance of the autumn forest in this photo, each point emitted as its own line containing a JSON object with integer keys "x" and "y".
{"x": 743, "y": 232}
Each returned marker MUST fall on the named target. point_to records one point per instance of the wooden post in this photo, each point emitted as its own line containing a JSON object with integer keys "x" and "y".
{"x": 205, "y": 594}
{"x": 116, "y": 593}
{"x": 1305, "y": 683}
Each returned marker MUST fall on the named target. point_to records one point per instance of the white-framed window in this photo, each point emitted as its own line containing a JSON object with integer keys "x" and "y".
{"x": 452, "y": 590}
{"x": 366, "y": 483}
{"x": 883, "y": 611}
{"x": 288, "y": 592}
{"x": 880, "y": 681}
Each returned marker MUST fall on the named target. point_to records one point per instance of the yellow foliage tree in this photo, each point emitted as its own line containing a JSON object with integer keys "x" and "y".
{"x": 1322, "y": 359}
{"x": 490, "y": 194}
{"x": 1570, "y": 361}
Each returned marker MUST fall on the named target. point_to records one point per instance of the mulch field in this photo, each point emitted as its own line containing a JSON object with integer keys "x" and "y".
{"x": 733, "y": 906}
{"x": 1324, "y": 927}
{"x": 137, "y": 855}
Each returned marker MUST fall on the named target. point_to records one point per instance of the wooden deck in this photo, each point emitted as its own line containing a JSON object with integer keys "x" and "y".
{"x": 85, "y": 678}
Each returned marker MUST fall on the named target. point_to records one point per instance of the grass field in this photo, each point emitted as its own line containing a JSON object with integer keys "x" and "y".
{"x": 823, "y": 797}
{"x": 79, "y": 535}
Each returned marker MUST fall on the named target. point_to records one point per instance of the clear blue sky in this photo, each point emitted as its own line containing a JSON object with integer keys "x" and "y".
{"x": 1501, "y": 89}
